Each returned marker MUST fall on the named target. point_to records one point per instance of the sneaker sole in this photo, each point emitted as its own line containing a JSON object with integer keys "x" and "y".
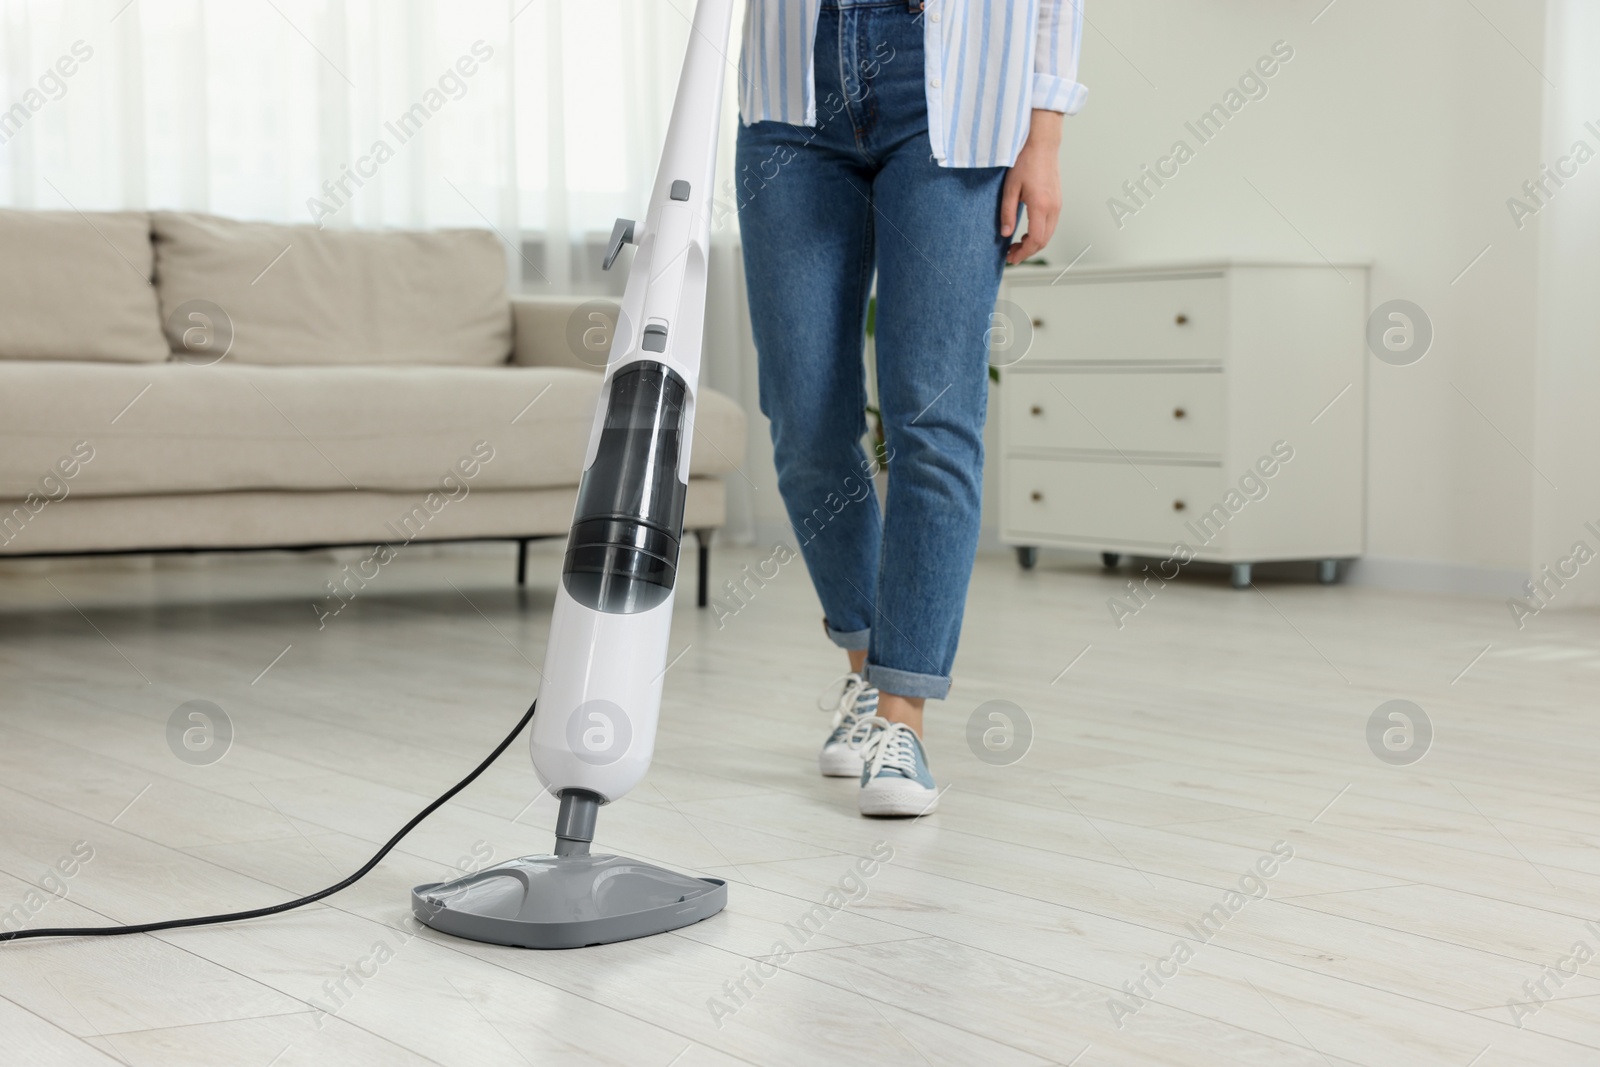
{"x": 901, "y": 803}
{"x": 839, "y": 764}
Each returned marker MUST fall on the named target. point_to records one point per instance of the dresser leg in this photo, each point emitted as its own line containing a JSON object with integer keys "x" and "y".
{"x": 1241, "y": 575}
{"x": 1328, "y": 571}
{"x": 1027, "y": 556}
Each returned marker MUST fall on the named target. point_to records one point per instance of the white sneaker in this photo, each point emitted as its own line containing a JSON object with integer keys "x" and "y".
{"x": 856, "y": 701}
{"x": 895, "y": 779}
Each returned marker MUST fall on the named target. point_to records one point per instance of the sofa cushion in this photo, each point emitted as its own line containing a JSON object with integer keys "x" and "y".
{"x": 562, "y": 331}
{"x": 76, "y": 286}
{"x": 297, "y": 294}
{"x": 177, "y": 428}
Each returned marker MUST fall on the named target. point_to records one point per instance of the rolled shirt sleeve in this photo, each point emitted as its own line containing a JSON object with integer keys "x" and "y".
{"x": 1055, "y": 64}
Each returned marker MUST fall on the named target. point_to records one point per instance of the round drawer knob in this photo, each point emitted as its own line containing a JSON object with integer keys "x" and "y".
{"x": 1037, "y": 323}
{"x": 1036, "y": 496}
{"x": 1179, "y": 413}
{"x": 1182, "y": 319}
{"x": 1178, "y": 505}
{"x": 1036, "y": 410}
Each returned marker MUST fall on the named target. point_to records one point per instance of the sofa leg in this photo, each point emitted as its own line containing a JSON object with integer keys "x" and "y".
{"x": 522, "y": 561}
{"x": 703, "y": 539}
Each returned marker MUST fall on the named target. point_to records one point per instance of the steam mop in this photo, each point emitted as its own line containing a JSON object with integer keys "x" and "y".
{"x": 601, "y": 692}
{"x": 595, "y": 727}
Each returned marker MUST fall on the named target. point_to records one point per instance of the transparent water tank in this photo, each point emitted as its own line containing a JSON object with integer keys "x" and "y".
{"x": 622, "y": 553}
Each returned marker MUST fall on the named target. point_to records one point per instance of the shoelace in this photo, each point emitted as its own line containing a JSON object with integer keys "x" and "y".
{"x": 845, "y": 706}
{"x": 853, "y": 683}
{"x": 885, "y": 744}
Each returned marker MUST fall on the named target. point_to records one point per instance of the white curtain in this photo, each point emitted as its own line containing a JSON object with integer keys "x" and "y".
{"x": 542, "y": 119}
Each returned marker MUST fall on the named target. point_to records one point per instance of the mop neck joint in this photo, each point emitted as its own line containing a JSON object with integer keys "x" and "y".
{"x": 575, "y": 821}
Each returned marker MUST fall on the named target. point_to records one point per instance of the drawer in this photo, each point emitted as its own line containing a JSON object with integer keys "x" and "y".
{"x": 1162, "y": 320}
{"x": 1101, "y": 504}
{"x": 1131, "y": 412}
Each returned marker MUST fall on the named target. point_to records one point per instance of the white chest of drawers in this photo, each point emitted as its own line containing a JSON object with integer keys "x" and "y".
{"x": 1213, "y": 411}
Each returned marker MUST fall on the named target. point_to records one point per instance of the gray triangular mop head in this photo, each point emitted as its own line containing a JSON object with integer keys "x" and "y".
{"x": 567, "y": 901}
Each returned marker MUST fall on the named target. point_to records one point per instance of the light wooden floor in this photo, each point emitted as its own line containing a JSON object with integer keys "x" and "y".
{"x": 1169, "y": 757}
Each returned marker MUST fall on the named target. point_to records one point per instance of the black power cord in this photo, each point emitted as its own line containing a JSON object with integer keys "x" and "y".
{"x": 300, "y": 902}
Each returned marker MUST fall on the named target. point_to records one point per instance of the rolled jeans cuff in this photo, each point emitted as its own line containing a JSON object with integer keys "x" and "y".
{"x": 851, "y": 641}
{"x": 908, "y": 683}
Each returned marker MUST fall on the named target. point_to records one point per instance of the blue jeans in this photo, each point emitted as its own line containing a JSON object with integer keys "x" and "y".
{"x": 820, "y": 209}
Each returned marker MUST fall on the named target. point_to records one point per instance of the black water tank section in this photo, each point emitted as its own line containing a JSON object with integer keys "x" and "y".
{"x": 622, "y": 554}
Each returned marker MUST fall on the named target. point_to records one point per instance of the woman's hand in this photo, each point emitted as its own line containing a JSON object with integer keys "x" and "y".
{"x": 1035, "y": 181}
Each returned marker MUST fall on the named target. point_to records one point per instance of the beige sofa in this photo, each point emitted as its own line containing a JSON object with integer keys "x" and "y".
{"x": 176, "y": 382}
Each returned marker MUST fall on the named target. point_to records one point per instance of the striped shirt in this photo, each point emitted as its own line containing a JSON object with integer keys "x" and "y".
{"x": 989, "y": 63}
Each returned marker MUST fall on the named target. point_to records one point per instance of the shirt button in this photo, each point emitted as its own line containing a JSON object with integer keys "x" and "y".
{"x": 934, "y": 82}
{"x": 934, "y": 16}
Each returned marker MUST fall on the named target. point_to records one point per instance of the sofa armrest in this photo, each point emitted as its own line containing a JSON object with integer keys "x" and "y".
{"x": 562, "y": 331}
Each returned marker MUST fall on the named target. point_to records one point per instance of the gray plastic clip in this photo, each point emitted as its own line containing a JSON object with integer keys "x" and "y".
{"x": 621, "y": 234}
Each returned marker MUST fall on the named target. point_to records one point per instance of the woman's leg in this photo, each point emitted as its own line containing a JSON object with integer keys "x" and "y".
{"x": 807, "y": 233}
{"x": 939, "y": 259}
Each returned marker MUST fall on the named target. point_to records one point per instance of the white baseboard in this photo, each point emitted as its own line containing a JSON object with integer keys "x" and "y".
{"x": 1431, "y": 576}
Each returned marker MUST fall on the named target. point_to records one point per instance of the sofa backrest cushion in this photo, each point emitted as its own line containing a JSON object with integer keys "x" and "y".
{"x": 75, "y": 286}
{"x": 297, "y": 294}
{"x": 562, "y": 331}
